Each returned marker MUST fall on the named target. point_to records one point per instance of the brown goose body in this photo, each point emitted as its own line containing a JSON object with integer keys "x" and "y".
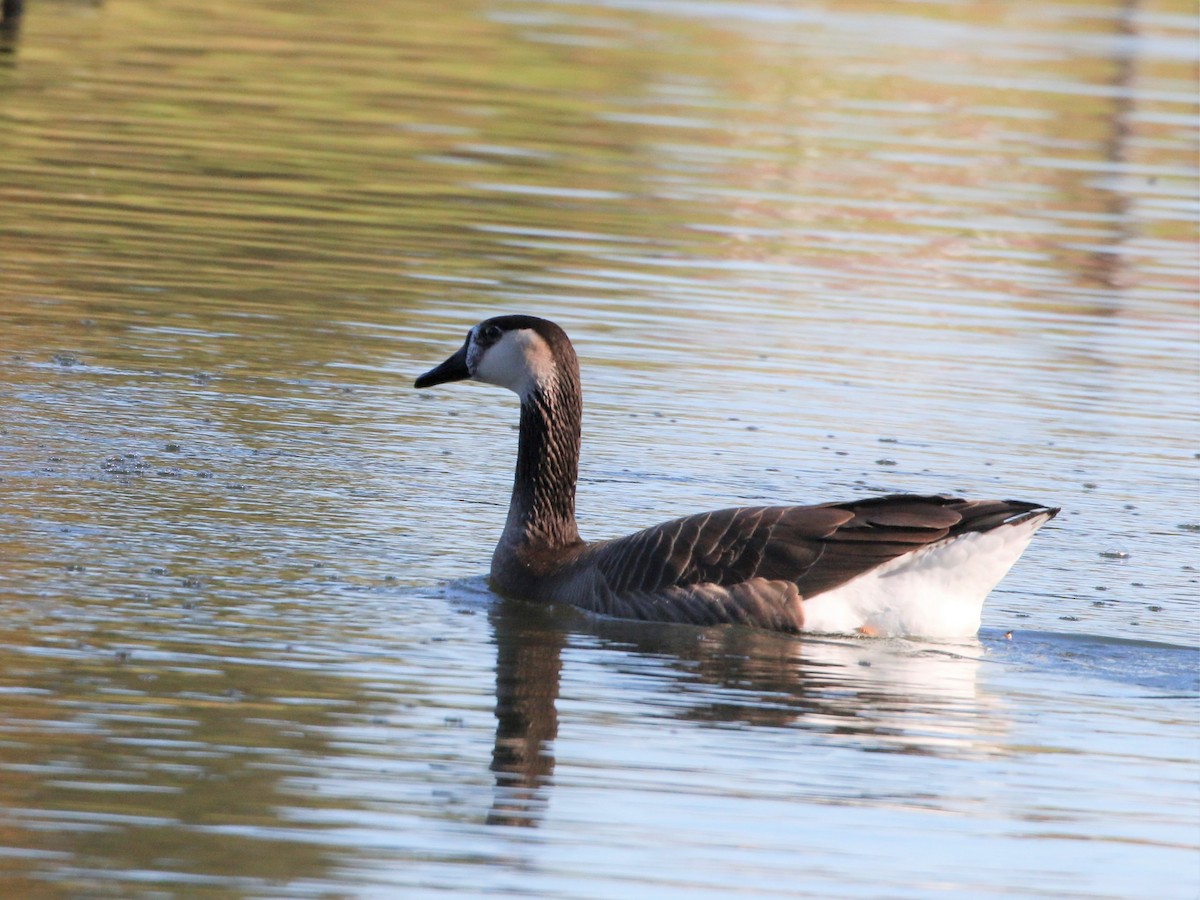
{"x": 897, "y": 564}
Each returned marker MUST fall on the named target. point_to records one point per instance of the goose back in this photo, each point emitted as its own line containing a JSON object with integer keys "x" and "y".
{"x": 756, "y": 565}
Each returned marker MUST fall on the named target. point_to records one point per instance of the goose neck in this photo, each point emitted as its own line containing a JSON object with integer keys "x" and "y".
{"x": 542, "y": 511}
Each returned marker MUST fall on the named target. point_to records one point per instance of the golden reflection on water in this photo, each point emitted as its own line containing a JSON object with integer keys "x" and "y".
{"x": 113, "y": 761}
{"x": 229, "y": 235}
{"x": 244, "y": 159}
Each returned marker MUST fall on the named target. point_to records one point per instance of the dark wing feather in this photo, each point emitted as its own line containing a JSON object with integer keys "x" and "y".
{"x": 755, "y": 564}
{"x": 883, "y": 528}
{"x": 728, "y": 566}
{"x": 725, "y": 547}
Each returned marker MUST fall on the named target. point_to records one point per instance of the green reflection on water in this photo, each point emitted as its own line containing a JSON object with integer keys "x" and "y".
{"x": 120, "y": 763}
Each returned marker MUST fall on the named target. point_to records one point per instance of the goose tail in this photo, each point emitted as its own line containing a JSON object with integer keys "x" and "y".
{"x": 937, "y": 591}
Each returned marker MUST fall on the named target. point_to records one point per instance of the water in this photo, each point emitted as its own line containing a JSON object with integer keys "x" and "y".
{"x": 805, "y": 253}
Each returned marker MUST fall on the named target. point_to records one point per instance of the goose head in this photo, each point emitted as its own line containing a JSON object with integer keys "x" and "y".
{"x": 522, "y": 353}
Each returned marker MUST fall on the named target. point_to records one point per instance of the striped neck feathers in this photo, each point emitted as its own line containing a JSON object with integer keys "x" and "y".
{"x": 542, "y": 510}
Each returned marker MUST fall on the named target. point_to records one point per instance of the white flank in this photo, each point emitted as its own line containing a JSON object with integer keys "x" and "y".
{"x": 937, "y": 591}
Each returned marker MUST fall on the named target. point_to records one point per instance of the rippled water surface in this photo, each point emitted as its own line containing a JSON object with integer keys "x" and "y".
{"x": 806, "y": 251}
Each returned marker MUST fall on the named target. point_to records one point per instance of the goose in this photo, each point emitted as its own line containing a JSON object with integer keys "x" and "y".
{"x": 893, "y": 565}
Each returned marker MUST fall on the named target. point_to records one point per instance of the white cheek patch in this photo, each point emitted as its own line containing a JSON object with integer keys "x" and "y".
{"x": 519, "y": 361}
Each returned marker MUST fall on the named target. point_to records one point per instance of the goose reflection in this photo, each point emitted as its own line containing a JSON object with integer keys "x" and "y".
{"x": 892, "y": 696}
{"x": 528, "y": 661}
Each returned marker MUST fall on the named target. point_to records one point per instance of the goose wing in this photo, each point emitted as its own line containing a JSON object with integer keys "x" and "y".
{"x": 755, "y": 565}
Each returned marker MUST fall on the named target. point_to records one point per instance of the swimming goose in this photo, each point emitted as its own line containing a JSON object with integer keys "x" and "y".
{"x": 899, "y": 564}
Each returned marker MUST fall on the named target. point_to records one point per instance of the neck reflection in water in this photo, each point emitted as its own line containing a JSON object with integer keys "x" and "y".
{"x": 528, "y": 660}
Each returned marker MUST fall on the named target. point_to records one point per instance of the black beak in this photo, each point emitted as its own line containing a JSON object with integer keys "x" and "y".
{"x": 453, "y": 369}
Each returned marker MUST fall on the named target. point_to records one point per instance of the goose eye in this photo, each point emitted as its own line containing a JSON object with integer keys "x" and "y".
{"x": 491, "y": 334}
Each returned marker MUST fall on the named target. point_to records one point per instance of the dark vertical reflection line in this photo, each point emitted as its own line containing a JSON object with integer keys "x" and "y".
{"x": 528, "y": 663}
{"x": 1105, "y": 268}
{"x": 10, "y": 24}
